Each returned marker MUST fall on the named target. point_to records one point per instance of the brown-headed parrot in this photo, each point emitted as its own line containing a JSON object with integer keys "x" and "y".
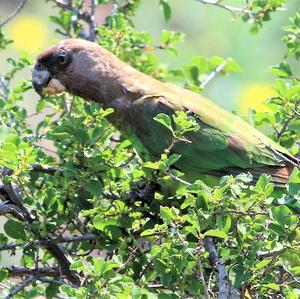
{"x": 224, "y": 144}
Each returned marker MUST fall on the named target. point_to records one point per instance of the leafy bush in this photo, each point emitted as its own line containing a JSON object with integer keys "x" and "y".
{"x": 99, "y": 222}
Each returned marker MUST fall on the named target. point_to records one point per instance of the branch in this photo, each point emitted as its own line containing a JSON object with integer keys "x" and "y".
{"x": 115, "y": 7}
{"x": 287, "y": 121}
{"x": 58, "y": 240}
{"x": 218, "y": 69}
{"x": 47, "y": 169}
{"x": 91, "y": 22}
{"x": 284, "y": 127}
{"x": 226, "y": 290}
{"x": 6, "y": 208}
{"x": 37, "y": 272}
{"x": 231, "y": 9}
{"x": 246, "y": 213}
{"x": 14, "y": 13}
{"x": 295, "y": 279}
{"x": 53, "y": 281}
{"x": 20, "y": 287}
{"x": 290, "y": 160}
{"x": 184, "y": 244}
{"x": 4, "y": 87}
{"x": 89, "y": 18}
{"x": 177, "y": 179}
{"x": 201, "y": 276}
{"x": 13, "y": 193}
{"x": 271, "y": 253}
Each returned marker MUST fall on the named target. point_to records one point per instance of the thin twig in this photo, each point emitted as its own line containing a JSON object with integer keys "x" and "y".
{"x": 58, "y": 240}
{"x": 47, "y": 169}
{"x": 184, "y": 244}
{"x": 6, "y": 208}
{"x": 4, "y": 87}
{"x": 91, "y": 22}
{"x": 53, "y": 281}
{"x": 131, "y": 257}
{"x": 246, "y": 213}
{"x": 177, "y": 179}
{"x": 284, "y": 127}
{"x": 20, "y": 287}
{"x": 231, "y": 9}
{"x": 115, "y": 7}
{"x": 292, "y": 161}
{"x": 201, "y": 276}
{"x": 14, "y": 13}
{"x": 218, "y": 69}
{"x": 226, "y": 290}
{"x": 270, "y": 253}
{"x": 284, "y": 268}
{"x": 89, "y": 18}
{"x": 37, "y": 272}
{"x": 13, "y": 193}
{"x": 287, "y": 121}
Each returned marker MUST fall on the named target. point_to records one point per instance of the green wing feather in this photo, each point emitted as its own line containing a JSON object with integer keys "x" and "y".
{"x": 224, "y": 141}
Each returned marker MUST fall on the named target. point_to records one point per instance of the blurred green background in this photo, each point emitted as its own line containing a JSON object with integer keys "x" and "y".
{"x": 209, "y": 31}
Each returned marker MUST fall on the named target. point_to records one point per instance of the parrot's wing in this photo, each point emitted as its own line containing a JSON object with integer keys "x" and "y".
{"x": 223, "y": 144}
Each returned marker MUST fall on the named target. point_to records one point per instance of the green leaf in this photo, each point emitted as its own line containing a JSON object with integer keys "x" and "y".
{"x": 40, "y": 105}
{"x": 148, "y": 232}
{"x": 244, "y": 177}
{"x": 165, "y": 37}
{"x": 241, "y": 275}
{"x": 262, "y": 182}
{"x": 77, "y": 265}
{"x": 101, "y": 266}
{"x": 168, "y": 214}
{"x": 272, "y": 286}
{"x": 283, "y": 215}
{"x": 282, "y": 70}
{"x": 3, "y": 274}
{"x": 99, "y": 222}
{"x": 151, "y": 165}
{"x": 166, "y": 9}
{"x": 81, "y": 135}
{"x": 224, "y": 223}
{"x": 294, "y": 183}
{"x": 232, "y": 66}
{"x": 98, "y": 265}
{"x": 94, "y": 187}
{"x": 68, "y": 290}
{"x": 261, "y": 264}
{"x": 51, "y": 291}
{"x": 165, "y": 120}
{"x": 15, "y": 229}
{"x": 4, "y": 132}
{"x": 189, "y": 201}
{"x": 173, "y": 159}
{"x": 216, "y": 233}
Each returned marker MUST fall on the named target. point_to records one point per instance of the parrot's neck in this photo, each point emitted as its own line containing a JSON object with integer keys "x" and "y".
{"x": 101, "y": 77}
{"x": 118, "y": 86}
{"x": 125, "y": 85}
{"x": 112, "y": 82}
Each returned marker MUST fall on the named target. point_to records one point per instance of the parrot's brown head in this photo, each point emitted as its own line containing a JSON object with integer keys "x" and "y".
{"x": 77, "y": 66}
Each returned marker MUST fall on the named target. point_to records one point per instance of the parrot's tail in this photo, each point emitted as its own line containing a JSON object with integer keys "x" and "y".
{"x": 279, "y": 174}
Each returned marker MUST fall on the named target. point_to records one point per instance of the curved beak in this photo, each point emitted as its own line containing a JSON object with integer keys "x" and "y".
{"x": 40, "y": 79}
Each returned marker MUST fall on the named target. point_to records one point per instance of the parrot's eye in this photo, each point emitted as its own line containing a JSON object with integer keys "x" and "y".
{"x": 62, "y": 59}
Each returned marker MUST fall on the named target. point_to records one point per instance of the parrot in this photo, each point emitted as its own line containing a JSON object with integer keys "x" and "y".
{"x": 223, "y": 145}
